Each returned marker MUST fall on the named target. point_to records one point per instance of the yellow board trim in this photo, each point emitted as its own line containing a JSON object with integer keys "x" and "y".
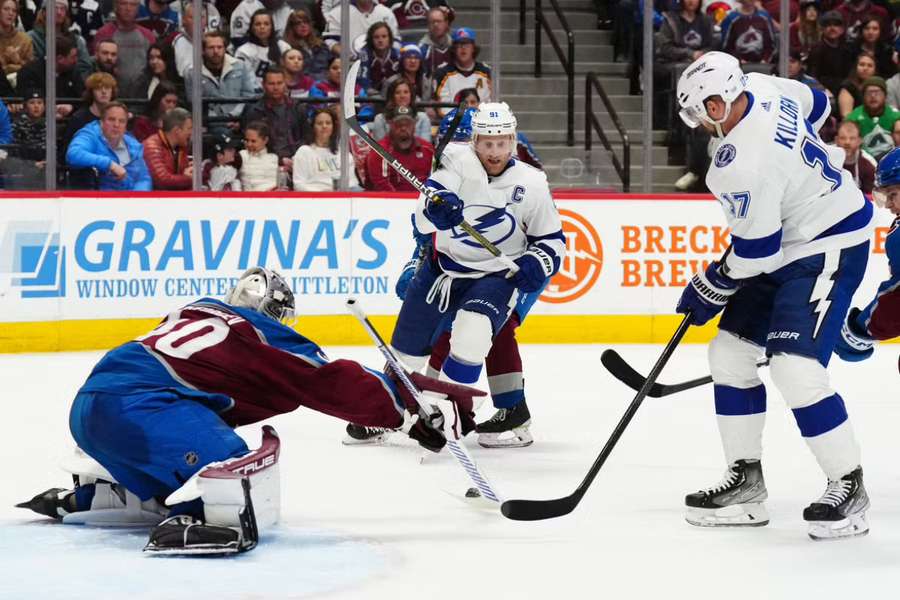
{"x": 343, "y": 330}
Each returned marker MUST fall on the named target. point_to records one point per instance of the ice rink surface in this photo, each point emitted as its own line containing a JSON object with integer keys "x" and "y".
{"x": 370, "y": 523}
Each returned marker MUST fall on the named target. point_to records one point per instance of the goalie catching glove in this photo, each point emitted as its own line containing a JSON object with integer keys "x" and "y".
{"x": 707, "y": 294}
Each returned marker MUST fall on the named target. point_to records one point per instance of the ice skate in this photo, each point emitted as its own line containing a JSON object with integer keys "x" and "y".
{"x": 360, "y": 435}
{"x": 841, "y": 511}
{"x": 737, "y": 500}
{"x": 508, "y": 428}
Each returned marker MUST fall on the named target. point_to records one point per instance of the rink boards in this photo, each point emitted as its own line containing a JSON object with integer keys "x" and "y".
{"x": 85, "y": 271}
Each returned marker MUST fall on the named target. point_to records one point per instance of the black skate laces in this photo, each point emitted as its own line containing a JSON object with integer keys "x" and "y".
{"x": 836, "y": 492}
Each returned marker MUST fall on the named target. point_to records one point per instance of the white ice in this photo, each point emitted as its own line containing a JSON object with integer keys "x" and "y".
{"x": 374, "y": 523}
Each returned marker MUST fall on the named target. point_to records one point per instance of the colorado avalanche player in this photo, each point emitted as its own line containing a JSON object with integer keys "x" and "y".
{"x": 800, "y": 243}
{"x": 461, "y": 286}
{"x": 880, "y": 320}
{"x": 156, "y": 414}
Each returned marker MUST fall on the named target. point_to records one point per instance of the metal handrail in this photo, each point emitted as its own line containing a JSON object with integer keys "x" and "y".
{"x": 623, "y": 169}
{"x": 568, "y": 64}
{"x": 523, "y": 7}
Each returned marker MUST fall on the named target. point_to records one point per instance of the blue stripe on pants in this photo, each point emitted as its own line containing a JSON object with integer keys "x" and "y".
{"x": 734, "y": 402}
{"x": 821, "y": 417}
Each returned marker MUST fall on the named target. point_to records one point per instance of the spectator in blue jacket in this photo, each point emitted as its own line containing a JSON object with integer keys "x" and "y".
{"x": 117, "y": 156}
{"x": 6, "y": 131}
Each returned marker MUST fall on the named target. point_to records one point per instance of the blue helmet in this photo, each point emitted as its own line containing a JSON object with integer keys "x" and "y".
{"x": 888, "y": 171}
{"x": 463, "y": 130}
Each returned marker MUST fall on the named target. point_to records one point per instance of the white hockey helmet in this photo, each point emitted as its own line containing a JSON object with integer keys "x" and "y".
{"x": 713, "y": 74}
{"x": 264, "y": 291}
{"x": 493, "y": 118}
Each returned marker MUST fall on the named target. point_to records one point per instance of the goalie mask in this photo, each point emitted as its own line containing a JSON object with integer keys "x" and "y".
{"x": 264, "y": 291}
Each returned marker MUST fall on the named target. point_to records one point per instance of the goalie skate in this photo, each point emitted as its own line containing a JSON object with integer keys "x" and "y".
{"x": 360, "y": 435}
{"x": 737, "y": 501}
{"x": 508, "y": 428}
{"x": 841, "y": 511}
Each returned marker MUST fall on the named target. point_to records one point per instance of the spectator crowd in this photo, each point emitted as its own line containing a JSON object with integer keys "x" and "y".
{"x": 269, "y": 76}
{"x": 847, "y": 48}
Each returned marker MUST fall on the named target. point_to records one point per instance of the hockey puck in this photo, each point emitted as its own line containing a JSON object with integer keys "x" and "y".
{"x": 473, "y": 493}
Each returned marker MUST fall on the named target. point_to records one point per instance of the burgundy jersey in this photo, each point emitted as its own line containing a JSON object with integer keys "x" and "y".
{"x": 247, "y": 367}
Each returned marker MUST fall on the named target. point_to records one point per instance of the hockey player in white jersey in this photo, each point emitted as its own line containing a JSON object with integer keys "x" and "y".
{"x": 800, "y": 243}
{"x": 462, "y": 284}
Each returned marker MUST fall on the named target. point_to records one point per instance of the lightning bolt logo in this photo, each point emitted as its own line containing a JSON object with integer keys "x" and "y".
{"x": 484, "y": 223}
{"x": 822, "y": 289}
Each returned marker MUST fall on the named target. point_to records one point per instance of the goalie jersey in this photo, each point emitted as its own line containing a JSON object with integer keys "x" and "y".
{"x": 783, "y": 190}
{"x": 512, "y": 210}
{"x": 244, "y": 366}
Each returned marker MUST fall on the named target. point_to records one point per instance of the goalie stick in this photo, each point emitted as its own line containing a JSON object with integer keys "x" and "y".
{"x": 349, "y": 108}
{"x": 622, "y": 371}
{"x": 456, "y": 448}
{"x": 536, "y": 510}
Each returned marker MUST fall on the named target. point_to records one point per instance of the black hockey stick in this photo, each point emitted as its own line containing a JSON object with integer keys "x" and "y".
{"x": 349, "y": 109}
{"x": 622, "y": 371}
{"x": 448, "y": 135}
{"x": 536, "y": 510}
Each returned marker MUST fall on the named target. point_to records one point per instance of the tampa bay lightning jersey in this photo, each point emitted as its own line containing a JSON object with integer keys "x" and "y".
{"x": 239, "y": 363}
{"x": 513, "y": 210}
{"x": 783, "y": 190}
{"x": 881, "y": 317}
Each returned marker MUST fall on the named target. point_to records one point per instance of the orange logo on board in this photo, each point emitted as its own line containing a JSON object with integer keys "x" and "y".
{"x": 582, "y": 264}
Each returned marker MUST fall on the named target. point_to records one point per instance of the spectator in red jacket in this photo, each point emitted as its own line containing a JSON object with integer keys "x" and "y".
{"x": 166, "y": 152}
{"x": 413, "y": 153}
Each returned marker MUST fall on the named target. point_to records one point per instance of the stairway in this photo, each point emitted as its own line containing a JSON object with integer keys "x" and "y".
{"x": 540, "y": 104}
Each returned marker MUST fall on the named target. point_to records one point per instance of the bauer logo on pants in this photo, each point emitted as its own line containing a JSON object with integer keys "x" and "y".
{"x": 582, "y": 264}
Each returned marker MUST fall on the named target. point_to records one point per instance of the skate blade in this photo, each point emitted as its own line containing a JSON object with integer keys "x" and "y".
{"x": 852, "y": 526}
{"x": 197, "y": 550}
{"x": 519, "y": 437}
{"x": 736, "y": 515}
{"x": 372, "y": 441}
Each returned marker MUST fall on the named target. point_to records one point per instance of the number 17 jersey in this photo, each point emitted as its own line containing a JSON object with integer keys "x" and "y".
{"x": 783, "y": 190}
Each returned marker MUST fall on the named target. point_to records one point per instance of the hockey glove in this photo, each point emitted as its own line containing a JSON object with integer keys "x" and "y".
{"x": 447, "y": 213}
{"x": 409, "y": 271}
{"x": 707, "y": 294}
{"x": 855, "y": 343}
{"x": 535, "y": 266}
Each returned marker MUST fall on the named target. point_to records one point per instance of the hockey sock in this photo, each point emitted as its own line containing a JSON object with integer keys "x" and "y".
{"x": 828, "y": 433}
{"x": 741, "y": 414}
{"x": 460, "y": 371}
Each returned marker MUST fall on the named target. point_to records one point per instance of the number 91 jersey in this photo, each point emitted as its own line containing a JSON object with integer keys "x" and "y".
{"x": 783, "y": 190}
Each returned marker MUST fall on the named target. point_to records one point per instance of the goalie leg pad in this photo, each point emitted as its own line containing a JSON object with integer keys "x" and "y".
{"x": 220, "y": 485}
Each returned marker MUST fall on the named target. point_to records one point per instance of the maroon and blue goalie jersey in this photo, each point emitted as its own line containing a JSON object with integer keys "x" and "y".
{"x": 245, "y": 366}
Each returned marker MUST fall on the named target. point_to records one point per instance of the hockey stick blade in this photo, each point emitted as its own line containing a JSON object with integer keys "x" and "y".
{"x": 536, "y": 510}
{"x": 622, "y": 371}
